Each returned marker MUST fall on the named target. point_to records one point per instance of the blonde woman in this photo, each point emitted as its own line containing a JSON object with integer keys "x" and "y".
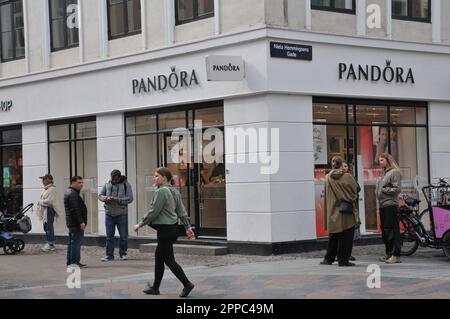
{"x": 387, "y": 191}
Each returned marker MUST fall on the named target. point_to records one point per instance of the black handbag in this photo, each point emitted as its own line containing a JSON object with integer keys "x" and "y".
{"x": 345, "y": 207}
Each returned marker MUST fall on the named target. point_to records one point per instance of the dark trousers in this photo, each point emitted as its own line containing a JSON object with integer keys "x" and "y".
{"x": 390, "y": 230}
{"x": 167, "y": 235}
{"x": 48, "y": 226}
{"x": 121, "y": 222}
{"x": 340, "y": 245}
{"x": 76, "y": 236}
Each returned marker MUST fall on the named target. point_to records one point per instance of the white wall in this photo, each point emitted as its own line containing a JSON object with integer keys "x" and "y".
{"x": 439, "y": 127}
{"x": 278, "y": 207}
{"x": 35, "y": 161}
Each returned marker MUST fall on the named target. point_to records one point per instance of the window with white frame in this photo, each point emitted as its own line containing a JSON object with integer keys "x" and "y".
{"x": 124, "y": 18}
{"x": 12, "y": 37}
{"x": 63, "y": 24}
{"x": 415, "y": 10}
{"x": 343, "y": 6}
{"x": 192, "y": 10}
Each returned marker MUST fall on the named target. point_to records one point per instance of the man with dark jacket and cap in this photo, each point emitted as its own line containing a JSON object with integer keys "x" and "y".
{"x": 116, "y": 194}
{"x": 76, "y": 220}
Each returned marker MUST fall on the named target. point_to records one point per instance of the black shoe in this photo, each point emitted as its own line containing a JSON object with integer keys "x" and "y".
{"x": 187, "y": 290}
{"x": 347, "y": 264}
{"x": 82, "y": 265}
{"x": 352, "y": 258}
{"x": 326, "y": 262}
{"x": 149, "y": 290}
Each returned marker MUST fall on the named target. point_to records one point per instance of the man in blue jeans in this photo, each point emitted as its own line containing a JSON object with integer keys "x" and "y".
{"x": 76, "y": 220}
{"x": 117, "y": 195}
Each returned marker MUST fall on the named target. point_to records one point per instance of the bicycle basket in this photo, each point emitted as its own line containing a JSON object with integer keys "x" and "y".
{"x": 25, "y": 224}
{"x": 438, "y": 196}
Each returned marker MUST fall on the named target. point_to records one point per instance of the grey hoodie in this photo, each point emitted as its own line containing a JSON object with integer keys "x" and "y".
{"x": 388, "y": 188}
{"x": 124, "y": 193}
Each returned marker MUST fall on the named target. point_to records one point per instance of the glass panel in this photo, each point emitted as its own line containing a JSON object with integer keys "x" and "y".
{"x": 142, "y": 163}
{"x": 366, "y": 114}
{"x": 72, "y": 36}
{"x": 12, "y": 177}
{"x": 400, "y": 8}
{"x": 368, "y": 174}
{"x": 134, "y": 15}
{"x": 185, "y": 9}
{"x": 11, "y": 136}
{"x": 343, "y": 4}
{"x": 57, "y": 9}
{"x": 60, "y": 169}
{"x": 5, "y": 18}
{"x": 205, "y": 7}
{"x": 20, "y": 43}
{"x": 321, "y": 3}
{"x": 59, "y": 132}
{"x": 419, "y": 8}
{"x": 172, "y": 120}
{"x": 141, "y": 124}
{"x": 403, "y": 115}
{"x": 210, "y": 116}
{"x": 86, "y": 129}
{"x": 7, "y": 46}
{"x": 421, "y": 115}
{"x": 58, "y": 27}
{"x": 86, "y": 152}
{"x": 331, "y": 113}
{"x": 116, "y": 18}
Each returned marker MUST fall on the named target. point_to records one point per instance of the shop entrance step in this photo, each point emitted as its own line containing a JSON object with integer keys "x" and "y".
{"x": 200, "y": 250}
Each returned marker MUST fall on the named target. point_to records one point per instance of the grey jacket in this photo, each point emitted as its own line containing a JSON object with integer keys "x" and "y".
{"x": 124, "y": 193}
{"x": 389, "y": 187}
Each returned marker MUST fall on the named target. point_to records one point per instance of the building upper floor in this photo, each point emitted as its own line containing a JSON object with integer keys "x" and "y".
{"x": 40, "y": 35}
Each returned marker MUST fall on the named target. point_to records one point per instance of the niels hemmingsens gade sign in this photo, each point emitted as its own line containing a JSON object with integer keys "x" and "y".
{"x": 375, "y": 73}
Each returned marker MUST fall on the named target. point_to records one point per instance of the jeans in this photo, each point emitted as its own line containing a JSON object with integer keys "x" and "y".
{"x": 48, "y": 226}
{"x": 167, "y": 235}
{"x": 121, "y": 222}
{"x": 76, "y": 236}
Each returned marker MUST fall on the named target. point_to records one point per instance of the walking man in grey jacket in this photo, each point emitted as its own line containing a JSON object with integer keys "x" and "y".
{"x": 116, "y": 194}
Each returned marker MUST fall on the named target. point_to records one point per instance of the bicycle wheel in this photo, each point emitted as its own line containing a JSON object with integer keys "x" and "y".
{"x": 446, "y": 244}
{"x": 425, "y": 219}
{"x": 408, "y": 238}
{"x": 20, "y": 245}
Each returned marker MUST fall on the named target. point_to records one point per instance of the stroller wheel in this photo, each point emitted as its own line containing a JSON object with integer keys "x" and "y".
{"x": 20, "y": 245}
{"x": 10, "y": 248}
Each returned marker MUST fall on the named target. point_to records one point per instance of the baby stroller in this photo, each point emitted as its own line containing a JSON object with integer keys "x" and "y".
{"x": 18, "y": 223}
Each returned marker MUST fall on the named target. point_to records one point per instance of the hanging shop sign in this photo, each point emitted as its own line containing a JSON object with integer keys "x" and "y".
{"x": 290, "y": 51}
{"x": 375, "y": 73}
{"x": 6, "y": 106}
{"x": 225, "y": 68}
{"x": 163, "y": 82}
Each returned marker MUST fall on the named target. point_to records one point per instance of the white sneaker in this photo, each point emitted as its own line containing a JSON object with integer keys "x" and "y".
{"x": 47, "y": 248}
{"x": 106, "y": 259}
{"x": 124, "y": 257}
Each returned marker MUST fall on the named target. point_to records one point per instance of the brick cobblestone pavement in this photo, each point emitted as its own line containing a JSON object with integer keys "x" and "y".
{"x": 32, "y": 274}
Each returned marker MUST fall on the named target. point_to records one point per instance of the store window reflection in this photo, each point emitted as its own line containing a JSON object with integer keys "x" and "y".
{"x": 11, "y": 200}
{"x": 369, "y": 130}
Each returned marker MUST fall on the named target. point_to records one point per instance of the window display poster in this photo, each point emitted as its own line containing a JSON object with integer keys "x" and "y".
{"x": 320, "y": 144}
{"x": 6, "y": 177}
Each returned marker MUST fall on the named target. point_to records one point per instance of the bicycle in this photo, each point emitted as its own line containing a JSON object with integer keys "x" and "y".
{"x": 413, "y": 231}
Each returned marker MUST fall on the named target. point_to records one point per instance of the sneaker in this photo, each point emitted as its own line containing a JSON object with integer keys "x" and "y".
{"x": 352, "y": 258}
{"x": 82, "y": 265}
{"x": 326, "y": 262}
{"x": 124, "y": 257}
{"x": 393, "y": 260}
{"x": 347, "y": 264}
{"x": 47, "y": 248}
{"x": 384, "y": 258}
{"x": 106, "y": 258}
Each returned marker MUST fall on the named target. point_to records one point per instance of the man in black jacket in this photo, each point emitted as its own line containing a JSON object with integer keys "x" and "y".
{"x": 76, "y": 220}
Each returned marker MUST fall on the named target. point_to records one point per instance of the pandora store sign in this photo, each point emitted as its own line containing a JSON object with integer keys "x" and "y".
{"x": 387, "y": 73}
{"x": 163, "y": 82}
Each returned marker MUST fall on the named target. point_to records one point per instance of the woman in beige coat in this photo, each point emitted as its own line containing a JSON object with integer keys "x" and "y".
{"x": 47, "y": 211}
{"x": 340, "y": 186}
